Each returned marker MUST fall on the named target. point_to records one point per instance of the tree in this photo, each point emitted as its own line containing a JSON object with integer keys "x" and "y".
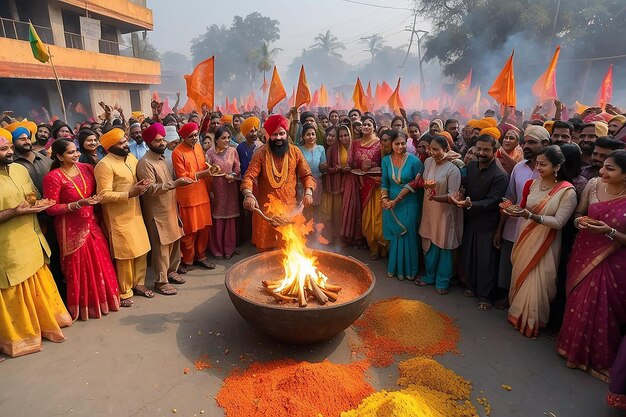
{"x": 374, "y": 44}
{"x": 480, "y": 34}
{"x": 234, "y": 48}
{"x": 265, "y": 58}
{"x": 328, "y": 43}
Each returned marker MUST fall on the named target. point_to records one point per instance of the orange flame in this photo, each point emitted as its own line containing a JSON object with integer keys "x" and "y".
{"x": 299, "y": 264}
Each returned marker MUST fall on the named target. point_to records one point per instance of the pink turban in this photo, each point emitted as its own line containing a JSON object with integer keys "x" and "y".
{"x": 150, "y": 133}
{"x": 187, "y": 130}
{"x": 274, "y": 122}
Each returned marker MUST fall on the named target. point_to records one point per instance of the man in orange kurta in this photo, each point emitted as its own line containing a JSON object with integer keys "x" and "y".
{"x": 193, "y": 200}
{"x": 276, "y": 169}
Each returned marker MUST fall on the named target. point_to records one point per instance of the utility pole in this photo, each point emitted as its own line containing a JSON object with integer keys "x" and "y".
{"x": 417, "y": 33}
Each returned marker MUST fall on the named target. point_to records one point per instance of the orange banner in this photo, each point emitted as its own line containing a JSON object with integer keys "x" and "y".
{"x": 277, "y": 91}
{"x": 358, "y": 96}
{"x": 503, "y": 88}
{"x": 303, "y": 94}
{"x": 605, "y": 95}
{"x": 545, "y": 86}
{"x": 394, "y": 102}
{"x": 201, "y": 84}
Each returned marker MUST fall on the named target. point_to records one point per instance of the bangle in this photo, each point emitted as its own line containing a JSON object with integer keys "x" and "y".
{"x": 529, "y": 215}
{"x": 541, "y": 219}
{"x": 69, "y": 207}
{"x": 77, "y": 205}
{"x": 611, "y": 234}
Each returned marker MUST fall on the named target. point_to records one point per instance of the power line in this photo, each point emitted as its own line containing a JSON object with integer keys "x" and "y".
{"x": 376, "y": 5}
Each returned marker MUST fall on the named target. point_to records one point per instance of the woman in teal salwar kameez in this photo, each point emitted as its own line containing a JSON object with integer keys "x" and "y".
{"x": 401, "y": 201}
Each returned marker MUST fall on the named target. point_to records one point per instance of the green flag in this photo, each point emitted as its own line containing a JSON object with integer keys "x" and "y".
{"x": 39, "y": 50}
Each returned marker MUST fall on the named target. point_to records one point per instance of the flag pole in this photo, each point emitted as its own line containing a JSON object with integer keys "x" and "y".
{"x": 56, "y": 77}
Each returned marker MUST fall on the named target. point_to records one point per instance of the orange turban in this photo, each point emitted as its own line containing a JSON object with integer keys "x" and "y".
{"x": 226, "y": 119}
{"x": 482, "y": 124}
{"x": 491, "y": 120}
{"x": 12, "y": 126}
{"x": 111, "y": 137}
{"x": 448, "y": 137}
{"x": 494, "y": 132}
{"x": 472, "y": 123}
{"x": 249, "y": 123}
{"x": 274, "y": 122}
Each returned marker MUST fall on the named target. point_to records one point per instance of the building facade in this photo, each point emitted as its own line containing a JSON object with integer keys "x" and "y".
{"x": 96, "y": 47}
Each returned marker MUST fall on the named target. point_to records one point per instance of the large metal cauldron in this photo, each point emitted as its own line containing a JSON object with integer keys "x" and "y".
{"x": 291, "y": 324}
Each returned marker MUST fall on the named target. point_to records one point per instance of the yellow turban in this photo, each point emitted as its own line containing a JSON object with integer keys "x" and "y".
{"x": 491, "y": 120}
{"x": 6, "y": 134}
{"x": 12, "y": 126}
{"x": 548, "y": 125}
{"x": 472, "y": 122}
{"x": 227, "y": 119}
{"x": 620, "y": 118}
{"x": 493, "y": 131}
{"x": 111, "y": 137}
{"x": 249, "y": 123}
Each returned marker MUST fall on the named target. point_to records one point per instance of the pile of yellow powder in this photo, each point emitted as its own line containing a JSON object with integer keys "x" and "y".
{"x": 429, "y": 390}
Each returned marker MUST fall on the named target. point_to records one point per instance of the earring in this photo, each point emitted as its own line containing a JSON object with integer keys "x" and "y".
{"x": 556, "y": 173}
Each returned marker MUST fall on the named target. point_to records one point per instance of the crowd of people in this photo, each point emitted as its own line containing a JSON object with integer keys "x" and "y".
{"x": 527, "y": 215}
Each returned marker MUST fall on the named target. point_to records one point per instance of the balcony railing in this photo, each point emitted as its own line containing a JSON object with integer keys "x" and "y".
{"x": 15, "y": 29}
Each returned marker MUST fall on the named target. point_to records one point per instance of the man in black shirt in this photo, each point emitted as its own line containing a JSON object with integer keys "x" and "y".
{"x": 485, "y": 184}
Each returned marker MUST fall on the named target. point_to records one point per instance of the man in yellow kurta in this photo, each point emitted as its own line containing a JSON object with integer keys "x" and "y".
{"x": 118, "y": 186}
{"x": 30, "y": 304}
{"x": 276, "y": 168}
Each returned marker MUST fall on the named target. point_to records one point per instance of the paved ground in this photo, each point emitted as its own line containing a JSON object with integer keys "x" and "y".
{"x": 131, "y": 363}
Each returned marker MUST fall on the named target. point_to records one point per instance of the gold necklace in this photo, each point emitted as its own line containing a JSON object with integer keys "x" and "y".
{"x": 606, "y": 190}
{"x": 544, "y": 187}
{"x": 273, "y": 173}
{"x": 398, "y": 179}
{"x": 80, "y": 193}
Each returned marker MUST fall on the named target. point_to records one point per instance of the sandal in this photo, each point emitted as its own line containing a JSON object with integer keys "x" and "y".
{"x": 128, "y": 302}
{"x": 236, "y": 252}
{"x": 468, "y": 293}
{"x": 420, "y": 283}
{"x": 165, "y": 288}
{"x": 176, "y": 279}
{"x": 218, "y": 257}
{"x": 143, "y": 290}
{"x": 442, "y": 291}
{"x": 205, "y": 263}
{"x": 484, "y": 306}
{"x": 374, "y": 256}
{"x": 184, "y": 268}
{"x": 228, "y": 256}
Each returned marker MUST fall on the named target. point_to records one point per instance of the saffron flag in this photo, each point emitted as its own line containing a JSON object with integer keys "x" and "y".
{"x": 464, "y": 86}
{"x": 201, "y": 84}
{"x": 80, "y": 109}
{"x": 303, "y": 94}
{"x": 606, "y": 89}
{"x": 394, "y": 102}
{"x": 233, "y": 106}
{"x": 314, "y": 101}
{"x": 369, "y": 98}
{"x": 323, "y": 98}
{"x": 545, "y": 86}
{"x": 39, "y": 49}
{"x": 358, "y": 96}
{"x": 277, "y": 91}
{"x": 188, "y": 107}
{"x": 503, "y": 88}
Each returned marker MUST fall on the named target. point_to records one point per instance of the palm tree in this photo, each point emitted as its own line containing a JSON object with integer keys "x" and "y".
{"x": 328, "y": 43}
{"x": 374, "y": 44}
{"x": 265, "y": 57}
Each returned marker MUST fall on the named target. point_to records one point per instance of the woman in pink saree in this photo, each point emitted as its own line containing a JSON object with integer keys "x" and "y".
{"x": 92, "y": 288}
{"x": 548, "y": 203}
{"x": 596, "y": 274}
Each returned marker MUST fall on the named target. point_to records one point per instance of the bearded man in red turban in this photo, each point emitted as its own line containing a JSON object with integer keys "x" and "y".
{"x": 276, "y": 169}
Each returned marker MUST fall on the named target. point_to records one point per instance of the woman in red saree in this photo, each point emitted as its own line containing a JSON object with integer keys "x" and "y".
{"x": 85, "y": 260}
{"x": 596, "y": 274}
{"x": 548, "y": 203}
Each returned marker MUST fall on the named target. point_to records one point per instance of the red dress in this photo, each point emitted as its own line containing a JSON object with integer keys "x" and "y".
{"x": 85, "y": 259}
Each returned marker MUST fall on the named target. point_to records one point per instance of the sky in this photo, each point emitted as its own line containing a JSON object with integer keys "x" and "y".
{"x": 176, "y": 24}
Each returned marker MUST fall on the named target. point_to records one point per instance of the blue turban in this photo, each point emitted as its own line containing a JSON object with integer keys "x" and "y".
{"x": 19, "y": 132}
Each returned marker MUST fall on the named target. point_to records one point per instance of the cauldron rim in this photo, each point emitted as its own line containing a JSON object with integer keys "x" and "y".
{"x": 278, "y": 306}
